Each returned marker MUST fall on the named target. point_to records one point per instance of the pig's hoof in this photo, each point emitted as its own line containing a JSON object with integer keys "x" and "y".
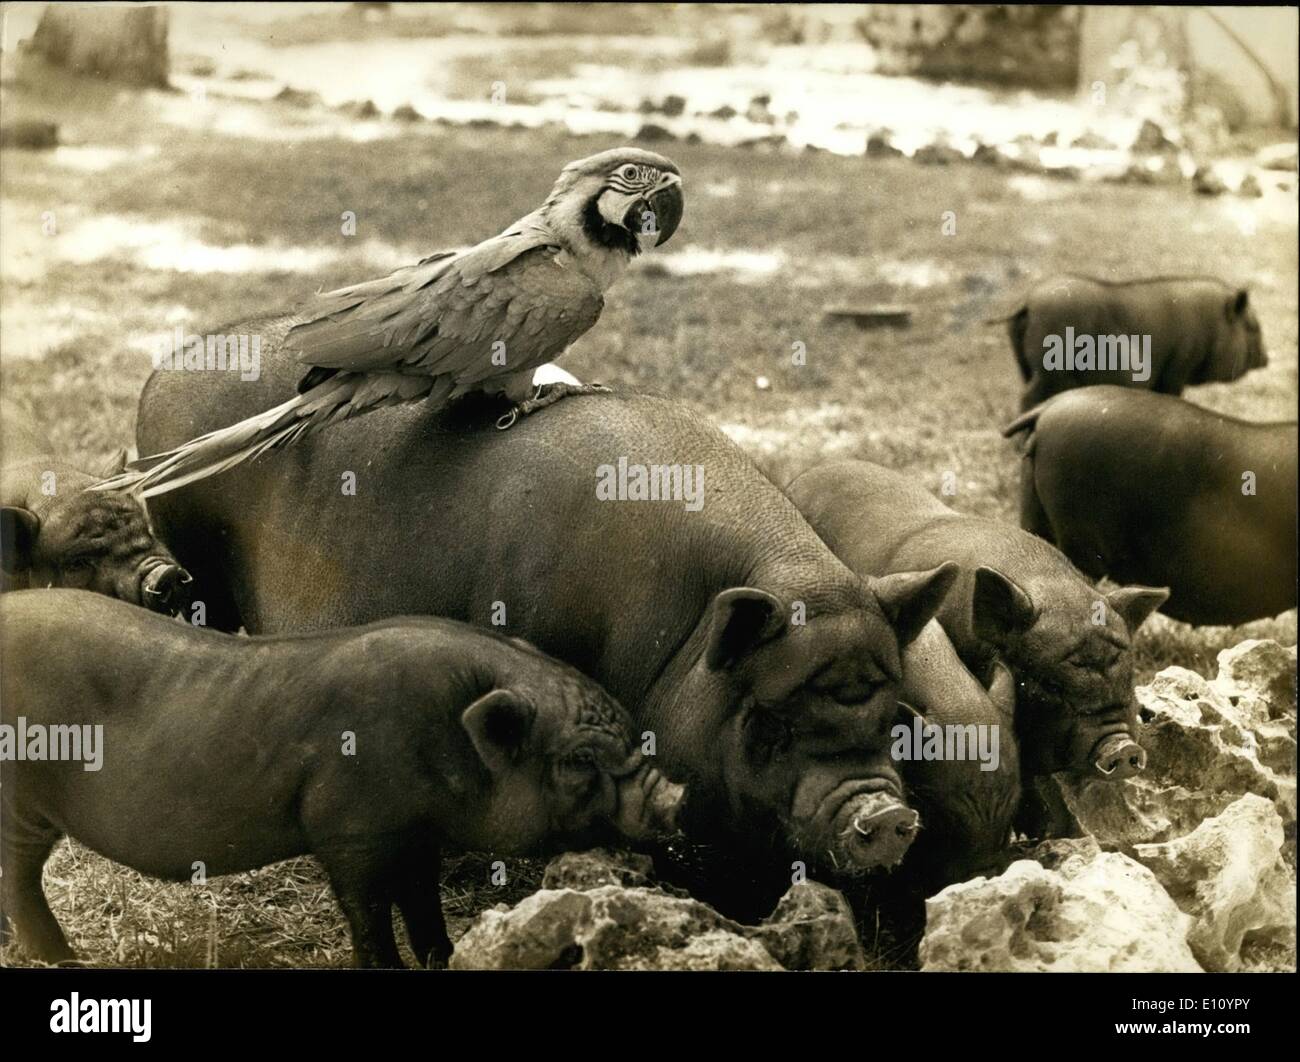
{"x": 1119, "y": 757}
{"x": 884, "y": 836}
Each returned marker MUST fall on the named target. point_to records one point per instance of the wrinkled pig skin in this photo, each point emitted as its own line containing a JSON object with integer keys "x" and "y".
{"x": 233, "y": 752}
{"x": 767, "y": 672}
{"x": 1017, "y": 599}
{"x": 55, "y": 533}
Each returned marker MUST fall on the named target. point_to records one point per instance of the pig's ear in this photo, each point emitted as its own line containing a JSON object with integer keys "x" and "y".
{"x": 1136, "y": 603}
{"x": 1002, "y": 691}
{"x": 910, "y": 599}
{"x": 1237, "y": 304}
{"x": 743, "y": 619}
{"x": 116, "y": 464}
{"x": 498, "y": 724}
{"x": 18, "y": 530}
{"x": 999, "y": 608}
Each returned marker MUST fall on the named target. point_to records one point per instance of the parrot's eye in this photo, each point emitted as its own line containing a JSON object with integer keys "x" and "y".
{"x": 628, "y": 172}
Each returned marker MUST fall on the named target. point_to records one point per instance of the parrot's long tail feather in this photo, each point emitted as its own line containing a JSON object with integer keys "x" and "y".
{"x": 338, "y": 398}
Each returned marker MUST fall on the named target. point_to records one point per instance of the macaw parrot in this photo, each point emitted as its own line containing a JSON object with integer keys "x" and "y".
{"x": 481, "y": 319}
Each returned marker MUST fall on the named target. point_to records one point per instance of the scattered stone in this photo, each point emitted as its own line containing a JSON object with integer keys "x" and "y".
{"x": 360, "y": 109}
{"x": 1208, "y": 743}
{"x": 812, "y": 928}
{"x": 879, "y": 147}
{"x": 298, "y": 98}
{"x": 1249, "y": 187}
{"x": 1093, "y": 912}
{"x": 651, "y": 133}
{"x": 1093, "y": 142}
{"x": 726, "y": 112}
{"x": 759, "y": 111}
{"x": 988, "y": 155}
{"x": 669, "y": 106}
{"x": 597, "y": 911}
{"x": 1228, "y": 875}
{"x": 673, "y": 106}
{"x": 1258, "y": 677}
{"x": 1206, "y": 182}
{"x": 597, "y": 867}
{"x": 937, "y": 154}
{"x": 406, "y": 113}
{"x": 1151, "y": 139}
{"x": 29, "y": 135}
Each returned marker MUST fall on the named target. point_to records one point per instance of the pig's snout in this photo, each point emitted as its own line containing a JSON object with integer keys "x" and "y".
{"x": 883, "y": 829}
{"x": 1118, "y": 757}
{"x": 649, "y": 805}
{"x": 163, "y": 588}
{"x": 665, "y": 805}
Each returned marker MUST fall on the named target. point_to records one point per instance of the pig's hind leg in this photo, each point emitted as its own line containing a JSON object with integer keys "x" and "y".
{"x": 420, "y": 902}
{"x": 362, "y": 876}
{"x": 22, "y": 899}
{"x": 1033, "y": 517}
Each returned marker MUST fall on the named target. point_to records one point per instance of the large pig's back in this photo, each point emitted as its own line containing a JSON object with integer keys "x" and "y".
{"x": 863, "y": 512}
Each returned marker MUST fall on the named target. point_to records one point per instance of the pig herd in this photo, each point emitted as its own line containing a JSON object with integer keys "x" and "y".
{"x": 456, "y": 642}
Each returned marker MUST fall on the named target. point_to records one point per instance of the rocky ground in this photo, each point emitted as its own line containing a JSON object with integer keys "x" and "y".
{"x": 1188, "y": 868}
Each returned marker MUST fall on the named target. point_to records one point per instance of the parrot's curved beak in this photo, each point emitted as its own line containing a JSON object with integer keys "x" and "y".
{"x": 666, "y": 204}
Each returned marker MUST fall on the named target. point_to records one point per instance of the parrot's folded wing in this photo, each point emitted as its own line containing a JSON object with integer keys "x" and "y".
{"x": 494, "y": 310}
{"x": 381, "y": 323}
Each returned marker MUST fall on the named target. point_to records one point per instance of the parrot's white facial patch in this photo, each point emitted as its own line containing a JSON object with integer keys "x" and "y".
{"x": 614, "y": 205}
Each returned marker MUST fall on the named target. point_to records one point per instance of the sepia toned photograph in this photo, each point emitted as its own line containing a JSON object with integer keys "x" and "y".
{"x": 649, "y": 487}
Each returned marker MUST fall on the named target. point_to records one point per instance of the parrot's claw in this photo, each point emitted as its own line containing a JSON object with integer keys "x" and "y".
{"x": 547, "y": 395}
{"x": 507, "y": 420}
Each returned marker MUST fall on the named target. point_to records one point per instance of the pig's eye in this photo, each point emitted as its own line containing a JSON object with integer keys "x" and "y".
{"x": 78, "y": 571}
{"x": 583, "y": 760}
{"x": 858, "y": 695}
{"x": 770, "y": 730}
